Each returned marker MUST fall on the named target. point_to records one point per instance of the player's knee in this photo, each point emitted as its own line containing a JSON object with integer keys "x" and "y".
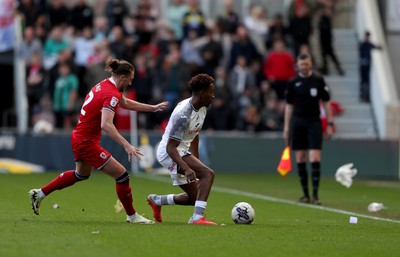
{"x": 80, "y": 177}
{"x": 209, "y": 174}
{"x": 124, "y": 178}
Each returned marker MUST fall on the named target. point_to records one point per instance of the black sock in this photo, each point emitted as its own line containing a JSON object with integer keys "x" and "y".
{"x": 301, "y": 167}
{"x": 316, "y": 174}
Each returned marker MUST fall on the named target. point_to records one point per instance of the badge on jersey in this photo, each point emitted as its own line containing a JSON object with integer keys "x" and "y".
{"x": 313, "y": 92}
{"x": 114, "y": 101}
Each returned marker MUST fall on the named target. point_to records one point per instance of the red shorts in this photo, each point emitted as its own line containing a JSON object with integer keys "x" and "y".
{"x": 90, "y": 152}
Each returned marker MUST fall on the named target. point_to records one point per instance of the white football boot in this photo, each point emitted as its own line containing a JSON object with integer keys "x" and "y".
{"x": 35, "y": 200}
{"x": 139, "y": 219}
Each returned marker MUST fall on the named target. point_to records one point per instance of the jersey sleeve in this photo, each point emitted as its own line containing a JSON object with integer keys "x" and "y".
{"x": 111, "y": 101}
{"x": 289, "y": 92}
{"x": 179, "y": 125}
{"x": 324, "y": 91}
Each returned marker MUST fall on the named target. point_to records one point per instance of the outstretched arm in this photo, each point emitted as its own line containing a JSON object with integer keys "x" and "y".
{"x": 108, "y": 126}
{"x": 129, "y": 104}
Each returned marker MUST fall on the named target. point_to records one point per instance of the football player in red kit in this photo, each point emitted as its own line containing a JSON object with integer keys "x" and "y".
{"x": 97, "y": 114}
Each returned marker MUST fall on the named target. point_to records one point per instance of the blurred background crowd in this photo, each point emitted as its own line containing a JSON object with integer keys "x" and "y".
{"x": 250, "y": 56}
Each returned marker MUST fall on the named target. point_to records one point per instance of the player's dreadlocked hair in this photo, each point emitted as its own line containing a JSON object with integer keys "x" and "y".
{"x": 200, "y": 82}
{"x": 118, "y": 67}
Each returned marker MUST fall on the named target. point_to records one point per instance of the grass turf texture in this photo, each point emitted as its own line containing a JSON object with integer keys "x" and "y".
{"x": 85, "y": 224}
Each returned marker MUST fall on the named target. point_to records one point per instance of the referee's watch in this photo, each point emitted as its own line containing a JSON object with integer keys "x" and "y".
{"x": 331, "y": 124}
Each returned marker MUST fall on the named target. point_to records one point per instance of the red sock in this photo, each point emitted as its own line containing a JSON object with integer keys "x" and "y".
{"x": 64, "y": 180}
{"x": 124, "y": 193}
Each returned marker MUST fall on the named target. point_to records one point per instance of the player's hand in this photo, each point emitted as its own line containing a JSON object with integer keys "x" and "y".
{"x": 161, "y": 106}
{"x": 190, "y": 175}
{"x": 330, "y": 130}
{"x": 134, "y": 153}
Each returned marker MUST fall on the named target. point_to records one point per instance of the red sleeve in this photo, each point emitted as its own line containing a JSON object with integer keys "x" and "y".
{"x": 111, "y": 101}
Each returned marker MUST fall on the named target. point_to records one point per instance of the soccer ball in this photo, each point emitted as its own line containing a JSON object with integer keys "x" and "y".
{"x": 243, "y": 213}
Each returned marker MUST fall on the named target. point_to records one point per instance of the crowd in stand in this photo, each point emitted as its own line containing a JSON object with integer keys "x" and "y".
{"x": 251, "y": 57}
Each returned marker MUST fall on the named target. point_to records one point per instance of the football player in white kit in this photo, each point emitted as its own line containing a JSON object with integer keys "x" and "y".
{"x": 178, "y": 151}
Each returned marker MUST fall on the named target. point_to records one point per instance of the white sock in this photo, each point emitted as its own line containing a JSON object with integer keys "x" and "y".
{"x": 199, "y": 209}
{"x": 41, "y": 194}
{"x": 170, "y": 199}
{"x": 164, "y": 199}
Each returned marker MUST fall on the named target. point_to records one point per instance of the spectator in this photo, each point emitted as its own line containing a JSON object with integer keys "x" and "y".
{"x": 271, "y": 115}
{"x": 115, "y": 11}
{"x": 193, "y": 19}
{"x": 277, "y": 30}
{"x": 58, "y": 13}
{"x": 30, "y": 45}
{"x": 229, "y": 20}
{"x": 175, "y": 12}
{"x": 84, "y": 48}
{"x": 145, "y": 24}
{"x": 174, "y": 74}
{"x": 95, "y": 71}
{"x": 34, "y": 81}
{"x": 54, "y": 44}
{"x": 253, "y": 122}
{"x": 365, "y": 48}
{"x": 326, "y": 42}
{"x": 191, "y": 52}
{"x": 300, "y": 27}
{"x": 100, "y": 29}
{"x": 30, "y": 12}
{"x": 257, "y": 26}
{"x": 65, "y": 56}
{"x": 212, "y": 53}
{"x": 279, "y": 68}
{"x": 240, "y": 78}
{"x": 82, "y": 15}
{"x": 65, "y": 96}
{"x": 142, "y": 83}
{"x": 118, "y": 47}
{"x": 242, "y": 46}
{"x": 221, "y": 115}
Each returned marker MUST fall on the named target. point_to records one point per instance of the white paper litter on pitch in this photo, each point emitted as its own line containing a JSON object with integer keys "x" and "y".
{"x": 344, "y": 175}
{"x": 374, "y": 207}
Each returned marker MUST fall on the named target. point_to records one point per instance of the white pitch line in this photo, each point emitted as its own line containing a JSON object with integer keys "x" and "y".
{"x": 274, "y": 199}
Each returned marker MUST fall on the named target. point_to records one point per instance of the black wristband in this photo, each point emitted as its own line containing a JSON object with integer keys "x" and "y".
{"x": 331, "y": 124}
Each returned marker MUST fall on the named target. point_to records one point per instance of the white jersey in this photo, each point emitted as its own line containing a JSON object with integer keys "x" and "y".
{"x": 184, "y": 125}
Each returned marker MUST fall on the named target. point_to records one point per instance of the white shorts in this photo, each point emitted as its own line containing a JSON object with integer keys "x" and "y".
{"x": 177, "y": 178}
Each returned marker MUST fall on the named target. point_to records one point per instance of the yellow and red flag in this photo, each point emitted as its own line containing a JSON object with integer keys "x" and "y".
{"x": 285, "y": 164}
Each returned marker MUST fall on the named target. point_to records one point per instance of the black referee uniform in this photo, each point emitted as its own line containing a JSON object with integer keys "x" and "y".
{"x": 305, "y": 130}
{"x": 305, "y": 93}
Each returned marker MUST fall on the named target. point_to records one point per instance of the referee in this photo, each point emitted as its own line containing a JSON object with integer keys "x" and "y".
{"x": 303, "y": 128}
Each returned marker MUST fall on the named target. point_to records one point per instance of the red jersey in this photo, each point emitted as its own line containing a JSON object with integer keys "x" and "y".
{"x": 103, "y": 96}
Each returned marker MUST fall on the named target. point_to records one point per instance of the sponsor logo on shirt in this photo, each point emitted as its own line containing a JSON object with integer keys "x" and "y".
{"x": 297, "y": 84}
{"x": 313, "y": 92}
{"x": 114, "y": 101}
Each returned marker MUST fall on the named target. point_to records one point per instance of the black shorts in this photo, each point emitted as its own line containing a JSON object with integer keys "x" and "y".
{"x": 306, "y": 133}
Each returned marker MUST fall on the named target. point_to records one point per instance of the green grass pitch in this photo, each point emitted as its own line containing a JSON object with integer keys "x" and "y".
{"x": 85, "y": 224}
